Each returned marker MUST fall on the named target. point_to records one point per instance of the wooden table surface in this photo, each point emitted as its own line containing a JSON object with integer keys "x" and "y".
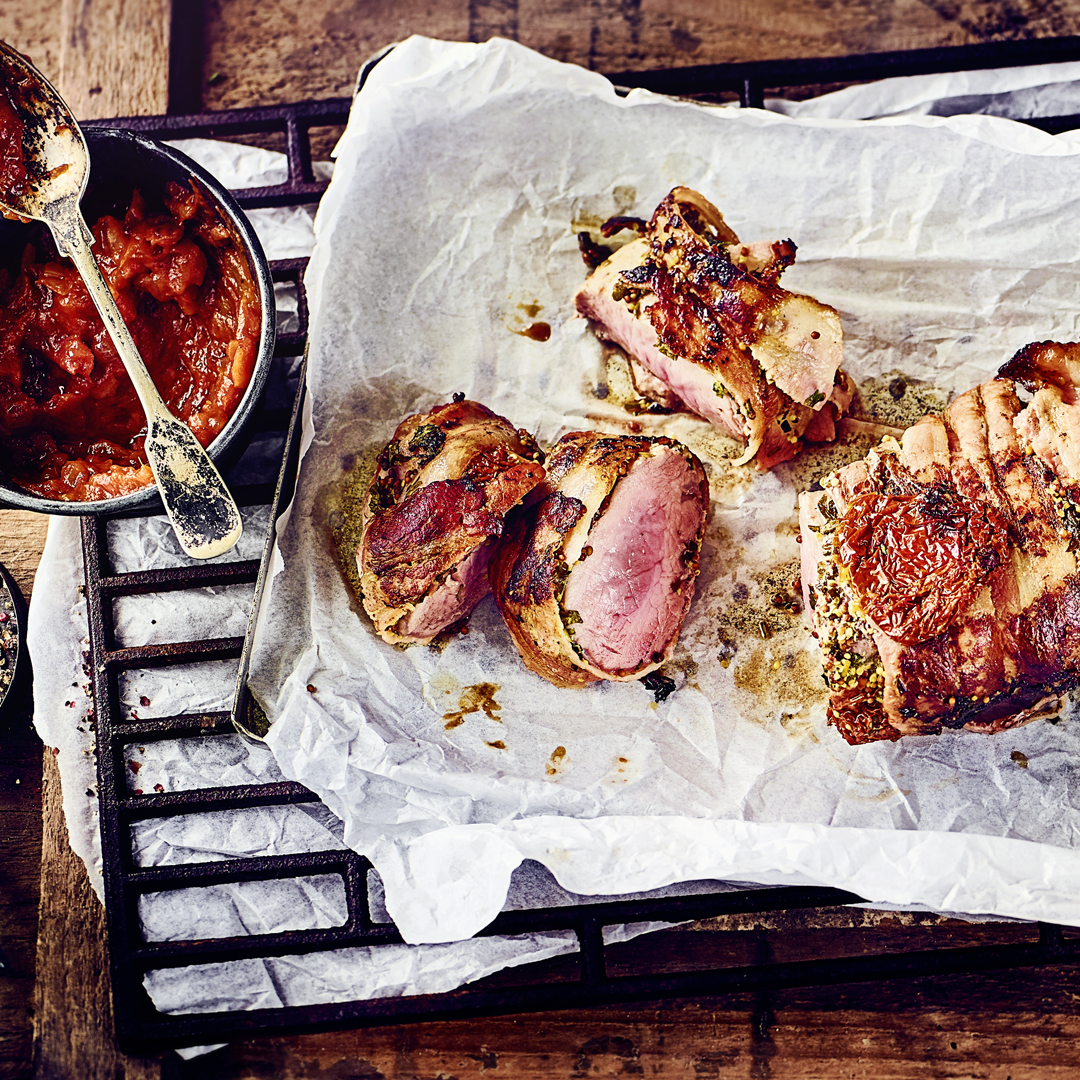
{"x": 118, "y": 57}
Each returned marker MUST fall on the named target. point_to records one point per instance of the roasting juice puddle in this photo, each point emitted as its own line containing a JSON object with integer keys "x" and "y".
{"x": 474, "y": 699}
{"x": 534, "y": 330}
{"x": 478, "y": 698}
{"x": 556, "y": 761}
{"x": 756, "y": 635}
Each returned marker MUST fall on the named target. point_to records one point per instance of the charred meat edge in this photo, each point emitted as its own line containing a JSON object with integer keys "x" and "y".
{"x": 704, "y": 314}
{"x": 442, "y": 488}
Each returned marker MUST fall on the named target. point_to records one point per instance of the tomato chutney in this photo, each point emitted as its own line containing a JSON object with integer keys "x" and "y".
{"x": 71, "y": 427}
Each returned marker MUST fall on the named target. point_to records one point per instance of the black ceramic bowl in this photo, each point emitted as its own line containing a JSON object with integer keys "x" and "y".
{"x": 121, "y": 161}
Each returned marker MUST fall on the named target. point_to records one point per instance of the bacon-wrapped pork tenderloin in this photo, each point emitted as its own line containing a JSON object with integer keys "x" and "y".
{"x": 595, "y": 575}
{"x": 436, "y": 504}
{"x": 942, "y": 570}
{"x": 703, "y": 313}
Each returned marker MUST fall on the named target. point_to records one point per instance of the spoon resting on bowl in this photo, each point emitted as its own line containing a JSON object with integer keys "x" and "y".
{"x": 48, "y": 188}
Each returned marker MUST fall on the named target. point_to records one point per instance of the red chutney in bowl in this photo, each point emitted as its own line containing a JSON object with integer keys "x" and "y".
{"x": 71, "y": 427}
{"x": 13, "y": 174}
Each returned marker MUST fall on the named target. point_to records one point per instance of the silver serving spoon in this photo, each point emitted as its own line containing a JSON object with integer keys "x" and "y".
{"x": 203, "y": 513}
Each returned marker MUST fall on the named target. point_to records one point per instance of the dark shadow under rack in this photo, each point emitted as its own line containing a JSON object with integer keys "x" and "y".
{"x": 591, "y": 977}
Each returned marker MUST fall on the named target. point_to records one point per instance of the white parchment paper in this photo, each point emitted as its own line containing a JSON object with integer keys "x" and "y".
{"x": 1041, "y": 90}
{"x": 463, "y": 177}
{"x": 602, "y": 852}
{"x": 58, "y": 644}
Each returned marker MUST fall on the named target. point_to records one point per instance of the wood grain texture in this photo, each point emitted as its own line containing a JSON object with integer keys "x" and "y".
{"x": 1004, "y": 1024}
{"x": 73, "y": 1036}
{"x": 20, "y": 846}
{"x": 266, "y": 52}
{"x": 34, "y": 30}
{"x": 114, "y": 57}
{"x": 22, "y": 539}
{"x": 697, "y": 1040}
{"x": 263, "y": 51}
{"x": 22, "y": 536}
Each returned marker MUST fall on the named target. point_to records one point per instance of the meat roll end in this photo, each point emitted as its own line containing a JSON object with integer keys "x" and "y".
{"x": 440, "y": 493}
{"x": 703, "y": 313}
{"x": 594, "y": 579}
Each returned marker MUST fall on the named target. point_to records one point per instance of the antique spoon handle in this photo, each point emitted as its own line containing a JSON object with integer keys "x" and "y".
{"x": 203, "y": 513}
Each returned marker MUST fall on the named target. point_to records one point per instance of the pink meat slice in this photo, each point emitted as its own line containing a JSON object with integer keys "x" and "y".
{"x": 694, "y": 384}
{"x": 623, "y": 590}
{"x": 453, "y": 600}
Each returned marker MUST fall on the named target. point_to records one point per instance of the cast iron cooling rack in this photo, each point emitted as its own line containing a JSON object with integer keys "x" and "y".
{"x": 701, "y": 960}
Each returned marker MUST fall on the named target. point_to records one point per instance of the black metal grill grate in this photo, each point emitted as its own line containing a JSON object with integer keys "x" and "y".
{"x": 751, "y": 79}
{"x": 590, "y": 983}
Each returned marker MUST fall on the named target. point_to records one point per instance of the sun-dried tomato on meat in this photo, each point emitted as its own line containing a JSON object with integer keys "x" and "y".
{"x": 915, "y": 560}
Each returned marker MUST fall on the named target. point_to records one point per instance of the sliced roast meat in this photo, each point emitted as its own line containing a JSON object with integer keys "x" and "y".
{"x": 630, "y": 329}
{"x": 942, "y": 570}
{"x": 440, "y": 493}
{"x": 595, "y": 576}
{"x": 447, "y": 604}
{"x": 703, "y": 312}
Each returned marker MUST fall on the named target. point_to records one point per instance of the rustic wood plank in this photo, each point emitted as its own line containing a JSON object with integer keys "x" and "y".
{"x": 997, "y": 1024}
{"x": 20, "y": 846}
{"x": 697, "y": 1039}
{"x": 114, "y": 57}
{"x": 257, "y": 50}
{"x": 32, "y": 28}
{"x": 22, "y": 538}
{"x": 73, "y": 1036}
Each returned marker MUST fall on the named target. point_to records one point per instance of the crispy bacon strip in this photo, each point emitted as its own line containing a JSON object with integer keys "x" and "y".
{"x": 442, "y": 488}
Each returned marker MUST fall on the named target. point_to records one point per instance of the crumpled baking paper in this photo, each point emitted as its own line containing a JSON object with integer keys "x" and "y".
{"x": 1040, "y": 90}
{"x": 58, "y": 644}
{"x": 449, "y": 227}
